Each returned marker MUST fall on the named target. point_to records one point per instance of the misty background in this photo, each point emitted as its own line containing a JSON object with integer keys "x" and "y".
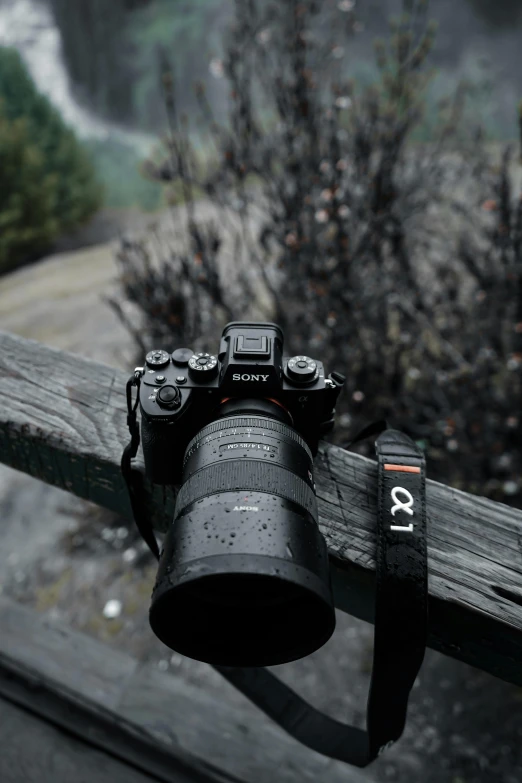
{"x": 452, "y": 382}
{"x": 98, "y": 63}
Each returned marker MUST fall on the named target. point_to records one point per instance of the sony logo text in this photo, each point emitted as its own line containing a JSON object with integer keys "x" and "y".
{"x": 246, "y": 377}
{"x": 245, "y": 508}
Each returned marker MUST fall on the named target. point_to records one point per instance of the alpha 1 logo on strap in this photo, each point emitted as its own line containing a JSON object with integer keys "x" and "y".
{"x": 402, "y": 497}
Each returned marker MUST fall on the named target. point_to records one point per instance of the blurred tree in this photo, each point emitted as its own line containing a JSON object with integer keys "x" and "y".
{"x": 344, "y": 239}
{"x": 55, "y": 158}
{"x": 132, "y": 5}
{"x": 110, "y": 50}
{"x": 328, "y": 159}
{"x": 97, "y": 53}
{"x": 28, "y": 220}
{"x": 500, "y": 13}
{"x": 189, "y": 31}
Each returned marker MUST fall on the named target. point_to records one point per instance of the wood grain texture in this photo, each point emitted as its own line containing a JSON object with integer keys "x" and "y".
{"x": 63, "y": 420}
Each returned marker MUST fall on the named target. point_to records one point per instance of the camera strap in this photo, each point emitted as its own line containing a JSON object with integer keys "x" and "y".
{"x": 400, "y": 606}
{"x": 133, "y": 477}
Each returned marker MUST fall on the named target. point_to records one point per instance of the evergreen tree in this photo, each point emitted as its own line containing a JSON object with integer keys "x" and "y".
{"x": 28, "y": 220}
{"x": 52, "y": 161}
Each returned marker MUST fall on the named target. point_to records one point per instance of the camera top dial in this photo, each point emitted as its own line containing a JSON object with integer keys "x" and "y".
{"x": 157, "y": 358}
{"x": 202, "y": 367}
{"x": 301, "y": 369}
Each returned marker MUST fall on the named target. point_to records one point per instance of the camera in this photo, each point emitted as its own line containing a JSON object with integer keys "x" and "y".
{"x": 243, "y": 578}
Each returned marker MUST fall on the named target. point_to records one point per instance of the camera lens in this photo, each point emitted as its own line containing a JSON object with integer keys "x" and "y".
{"x": 243, "y": 578}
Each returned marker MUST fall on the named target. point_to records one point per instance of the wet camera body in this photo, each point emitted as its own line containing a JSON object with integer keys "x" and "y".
{"x": 182, "y": 391}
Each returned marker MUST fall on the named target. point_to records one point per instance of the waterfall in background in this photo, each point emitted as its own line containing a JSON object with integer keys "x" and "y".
{"x": 29, "y": 27}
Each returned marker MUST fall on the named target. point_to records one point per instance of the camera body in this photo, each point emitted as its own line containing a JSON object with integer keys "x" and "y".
{"x": 182, "y": 391}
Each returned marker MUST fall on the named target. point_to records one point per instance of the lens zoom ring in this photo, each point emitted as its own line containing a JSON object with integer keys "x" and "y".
{"x": 258, "y": 421}
{"x": 248, "y": 474}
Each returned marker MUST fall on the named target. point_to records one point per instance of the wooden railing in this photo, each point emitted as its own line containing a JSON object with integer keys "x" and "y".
{"x": 63, "y": 420}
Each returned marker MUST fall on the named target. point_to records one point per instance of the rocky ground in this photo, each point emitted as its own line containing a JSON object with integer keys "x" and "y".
{"x": 78, "y": 563}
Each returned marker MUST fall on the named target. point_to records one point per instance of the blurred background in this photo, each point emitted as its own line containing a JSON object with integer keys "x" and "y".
{"x": 168, "y": 166}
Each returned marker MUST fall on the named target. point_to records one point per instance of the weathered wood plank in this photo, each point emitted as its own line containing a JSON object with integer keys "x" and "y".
{"x": 49, "y": 648}
{"x": 34, "y": 751}
{"x": 186, "y": 722}
{"x": 101, "y": 729}
{"x": 63, "y": 421}
{"x": 75, "y": 707}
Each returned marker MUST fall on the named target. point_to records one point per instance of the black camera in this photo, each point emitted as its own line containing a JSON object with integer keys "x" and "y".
{"x": 243, "y": 578}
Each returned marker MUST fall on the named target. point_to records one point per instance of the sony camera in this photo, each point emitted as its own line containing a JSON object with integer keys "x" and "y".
{"x": 243, "y": 574}
{"x": 183, "y": 391}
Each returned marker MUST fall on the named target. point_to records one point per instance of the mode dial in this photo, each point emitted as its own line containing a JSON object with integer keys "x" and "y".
{"x": 301, "y": 369}
{"x": 203, "y": 366}
{"x": 157, "y": 358}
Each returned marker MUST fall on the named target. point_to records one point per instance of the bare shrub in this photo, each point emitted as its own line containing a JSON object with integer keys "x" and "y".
{"x": 378, "y": 252}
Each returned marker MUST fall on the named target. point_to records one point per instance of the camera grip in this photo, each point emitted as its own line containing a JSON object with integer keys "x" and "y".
{"x": 159, "y": 453}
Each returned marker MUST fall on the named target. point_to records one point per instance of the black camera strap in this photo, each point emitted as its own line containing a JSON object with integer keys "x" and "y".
{"x": 133, "y": 477}
{"x": 400, "y": 608}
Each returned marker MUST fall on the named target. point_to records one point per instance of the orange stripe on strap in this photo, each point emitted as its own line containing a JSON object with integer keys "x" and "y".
{"x": 402, "y": 468}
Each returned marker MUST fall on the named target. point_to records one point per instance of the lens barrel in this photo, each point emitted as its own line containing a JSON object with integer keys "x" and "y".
{"x": 243, "y": 578}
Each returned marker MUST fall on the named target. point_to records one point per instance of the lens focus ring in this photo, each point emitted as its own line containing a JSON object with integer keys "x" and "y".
{"x": 246, "y": 475}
